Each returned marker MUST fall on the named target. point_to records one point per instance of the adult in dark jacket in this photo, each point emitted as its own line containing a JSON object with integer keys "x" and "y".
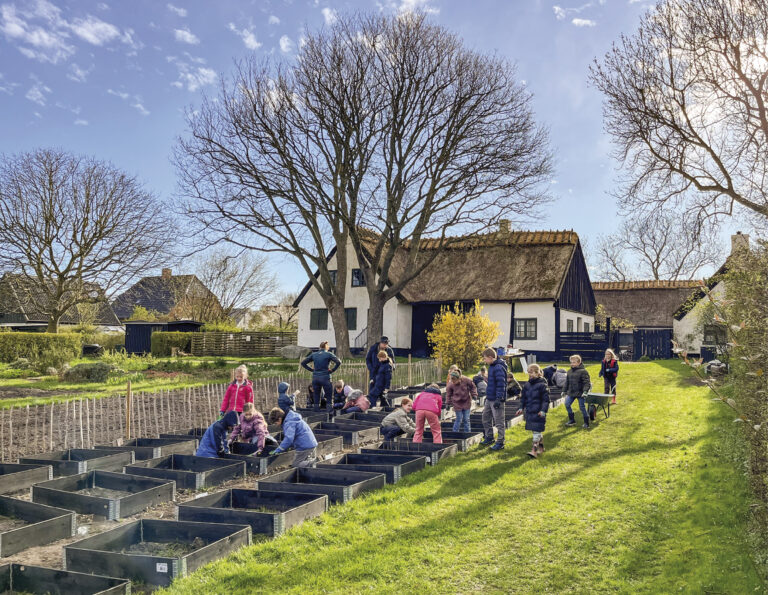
{"x": 324, "y": 363}
{"x": 609, "y": 369}
{"x": 381, "y": 381}
{"x": 372, "y": 357}
{"x": 549, "y": 373}
{"x": 214, "y": 441}
{"x": 577, "y": 385}
{"x": 495, "y": 395}
{"x": 534, "y": 404}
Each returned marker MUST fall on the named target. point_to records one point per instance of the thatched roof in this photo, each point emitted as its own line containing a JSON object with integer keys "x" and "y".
{"x": 18, "y": 306}
{"x": 499, "y": 266}
{"x": 647, "y": 304}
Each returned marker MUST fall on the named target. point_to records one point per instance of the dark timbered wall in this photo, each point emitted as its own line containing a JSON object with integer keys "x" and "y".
{"x": 576, "y": 293}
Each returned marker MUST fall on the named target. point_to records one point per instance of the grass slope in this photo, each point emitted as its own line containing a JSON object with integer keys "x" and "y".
{"x": 652, "y": 500}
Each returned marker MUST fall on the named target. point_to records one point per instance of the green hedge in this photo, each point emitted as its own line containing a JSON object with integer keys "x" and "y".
{"x": 163, "y": 341}
{"x": 38, "y": 346}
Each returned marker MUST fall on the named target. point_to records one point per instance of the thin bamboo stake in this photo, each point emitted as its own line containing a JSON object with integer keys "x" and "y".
{"x": 26, "y": 425}
{"x": 81, "y": 423}
{"x": 128, "y": 399}
{"x": 2, "y": 434}
{"x": 118, "y": 404}
{"x": 50, "y": 429}
{"x": 10, "y": 434}
{"x": 66, "y": 424}
{"x": 154, "y": 408}
{"x": 87, "y": 424}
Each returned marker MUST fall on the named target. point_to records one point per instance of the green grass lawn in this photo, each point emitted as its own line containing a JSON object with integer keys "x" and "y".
{"x": 652, "y": 500}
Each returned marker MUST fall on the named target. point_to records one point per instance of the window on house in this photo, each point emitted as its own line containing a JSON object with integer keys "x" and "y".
{"x": 525, "y": 328}
{"x": 358, "y": 279}
{"x": 569, "y": 326}
{"x": 333, "y": 275}
{"x": 318, "y": 319}
{"x": 351, "y": 314}
{"x": 586, "y": 327}
{"x": 713, "y": 335}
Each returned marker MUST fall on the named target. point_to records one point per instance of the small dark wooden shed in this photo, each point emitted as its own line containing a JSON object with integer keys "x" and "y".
{"x": 138, "y": 334}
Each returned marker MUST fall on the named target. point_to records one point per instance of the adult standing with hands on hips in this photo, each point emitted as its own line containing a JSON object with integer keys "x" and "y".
{"x": 372, "y": 358}
{"x": 324, "y": 363}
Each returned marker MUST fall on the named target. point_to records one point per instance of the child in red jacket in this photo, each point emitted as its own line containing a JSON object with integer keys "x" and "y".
{"x": 427, "y": 406}
{"x": 238, "y": 392}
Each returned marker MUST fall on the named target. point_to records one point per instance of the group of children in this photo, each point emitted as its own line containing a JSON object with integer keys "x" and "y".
{"x": 240, "y": 421}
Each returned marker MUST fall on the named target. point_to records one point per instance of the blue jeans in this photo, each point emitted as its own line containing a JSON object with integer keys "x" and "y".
{"x": 582, "y": 407}
{"x": 323, "y": 384}
{"x": 389, "y": 432}
{"x": 353, "y": 409}
{"x": 462, "y": 419}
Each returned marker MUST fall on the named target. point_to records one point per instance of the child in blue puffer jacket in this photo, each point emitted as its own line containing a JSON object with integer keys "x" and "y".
{"x": 285, "y": 401}
{"x": 296, "y": 433}
{"x": 534, "y": 403}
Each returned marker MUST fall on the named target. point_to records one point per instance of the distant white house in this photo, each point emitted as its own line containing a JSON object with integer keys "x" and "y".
{"x": 695, "y": 335}
{"x": 535, "y": 284}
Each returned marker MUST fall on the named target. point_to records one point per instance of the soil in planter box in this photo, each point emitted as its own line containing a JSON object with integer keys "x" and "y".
{"x": 173, "y": 549}
{"x": 8, "y": 523}
{"x": 272, "y": 509}
{"x": 102, "y": 493}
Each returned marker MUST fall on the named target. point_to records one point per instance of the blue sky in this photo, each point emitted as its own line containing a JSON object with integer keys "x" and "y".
{"x": 113, "y": 78}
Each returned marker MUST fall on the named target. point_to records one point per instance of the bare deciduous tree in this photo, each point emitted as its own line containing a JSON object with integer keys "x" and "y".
{"x": 74, "y": 228}
{"x": 282, "y": 315}
{"x": 686, "y": 102}
{"x": 657, "y": 245}
{"x": 386, "y": 124}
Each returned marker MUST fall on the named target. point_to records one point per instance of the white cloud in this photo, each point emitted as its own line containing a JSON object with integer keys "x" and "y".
{"x": 182, "y": 12}
{"x": 80, "y": 122}
{"x": 142, "y": 110}
{"x": 185, "y": 36}
{"x": 120, "y": 94}
{"x": 248, "y": 37}
{"x": 44, "y": 40}
{"x": 191, "y": 77}
{"x": 286, "y": 45}
{"x": 37, "y": 92}
{"x": 417, "y": 5}
{"x": 329, "y": 15}
{"x": 559, "y": 12}
{"x": 273, "y": 20}
{"x": 94, "y": 31}
{"x": 102, "y": 6}
{"x": 583, "y": 22}
{"x": 5, "y": 86}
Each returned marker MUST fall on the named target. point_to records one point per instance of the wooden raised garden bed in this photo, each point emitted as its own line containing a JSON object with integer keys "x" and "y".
{"x": 394, "y": 467}
{"x": 154, "y": 551}
{"x": 338, "y": 484}
{"x": 189, "y": 472}
{"x": 80, "y": 460}
{"x": 15, "y": 477}
{"x": 21, "y": 578}
{"x": 271, "y": 513}
{"x": 26, "y": 524}
{"x": 462, "y": 439}
{"x": 104, "y": 493}
{"x": 152, "y": 448}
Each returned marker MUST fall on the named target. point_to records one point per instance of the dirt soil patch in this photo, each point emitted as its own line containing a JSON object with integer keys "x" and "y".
{"x": 174, "y": 549}
{"x": 20, "y": 392}
{"x": 10, "y": 523}
{"x": 159, "y": 374}
{"x": 102, "y": 493}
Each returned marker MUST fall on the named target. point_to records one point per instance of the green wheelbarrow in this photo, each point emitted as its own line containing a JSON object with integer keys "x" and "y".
{"x": 601, "y": 400}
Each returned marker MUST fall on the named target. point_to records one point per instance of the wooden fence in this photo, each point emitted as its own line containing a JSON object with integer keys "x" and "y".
{"x": 84, "y": 423}
{"x": 244, "y": 344}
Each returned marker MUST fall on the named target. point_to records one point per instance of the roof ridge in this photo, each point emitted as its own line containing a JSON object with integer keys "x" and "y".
{"x": 646, "y": 284}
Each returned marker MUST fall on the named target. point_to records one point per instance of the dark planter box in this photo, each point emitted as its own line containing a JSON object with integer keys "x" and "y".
{"x": 20, "y": 578}
{"x": 140, "y": 493}
{"x": 433, "y": 452}
{"x": 79, "y": 460}
{"x": 394, "y": 467}
{"x": 371, "y": 422}
{"x": 310, "y": 415}
{"x": 461, "y": 439}
{"x": 240, "y": 507}
{"x": 189, "y": 472}
{"x": 152, "y": 448}
{"x": 105, "y": 553}
{"x": 352, "y": 434}
{"x": 46, "y": 524}
{"x": 338, "y": 484}
{"x": 15, "y": 477}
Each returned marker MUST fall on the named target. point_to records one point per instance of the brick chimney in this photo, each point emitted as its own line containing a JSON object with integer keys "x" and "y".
{"x": 739, "y": 241}
{"x": 166, "y": 273}
{"x": 504, "y": 226}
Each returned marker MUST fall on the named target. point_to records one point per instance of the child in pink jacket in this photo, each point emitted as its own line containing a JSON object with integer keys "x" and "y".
{"x": 427, "y": 406}
{"x": 239, "y": 392}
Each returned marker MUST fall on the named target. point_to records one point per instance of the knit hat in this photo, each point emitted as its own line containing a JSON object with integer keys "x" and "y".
{"x": 283, "y": 387}
{"x": 455, "y": 373}
{"x": 231, "y": 418}
{"x": 355, "y": 394}
{"x": 384, "y": 339}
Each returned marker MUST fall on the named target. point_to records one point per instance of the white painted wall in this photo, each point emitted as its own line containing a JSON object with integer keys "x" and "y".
{"x": 566, "y": 315}
{"x": 684, "y": 330}
{"x": 397, "y": 317}
{"x": 544, "y": 313}
{"x": 500, "y": 312}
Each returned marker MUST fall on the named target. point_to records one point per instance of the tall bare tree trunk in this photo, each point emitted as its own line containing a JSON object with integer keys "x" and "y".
{"x": 341, "y": 333}
{"x": 375, "y": 317}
